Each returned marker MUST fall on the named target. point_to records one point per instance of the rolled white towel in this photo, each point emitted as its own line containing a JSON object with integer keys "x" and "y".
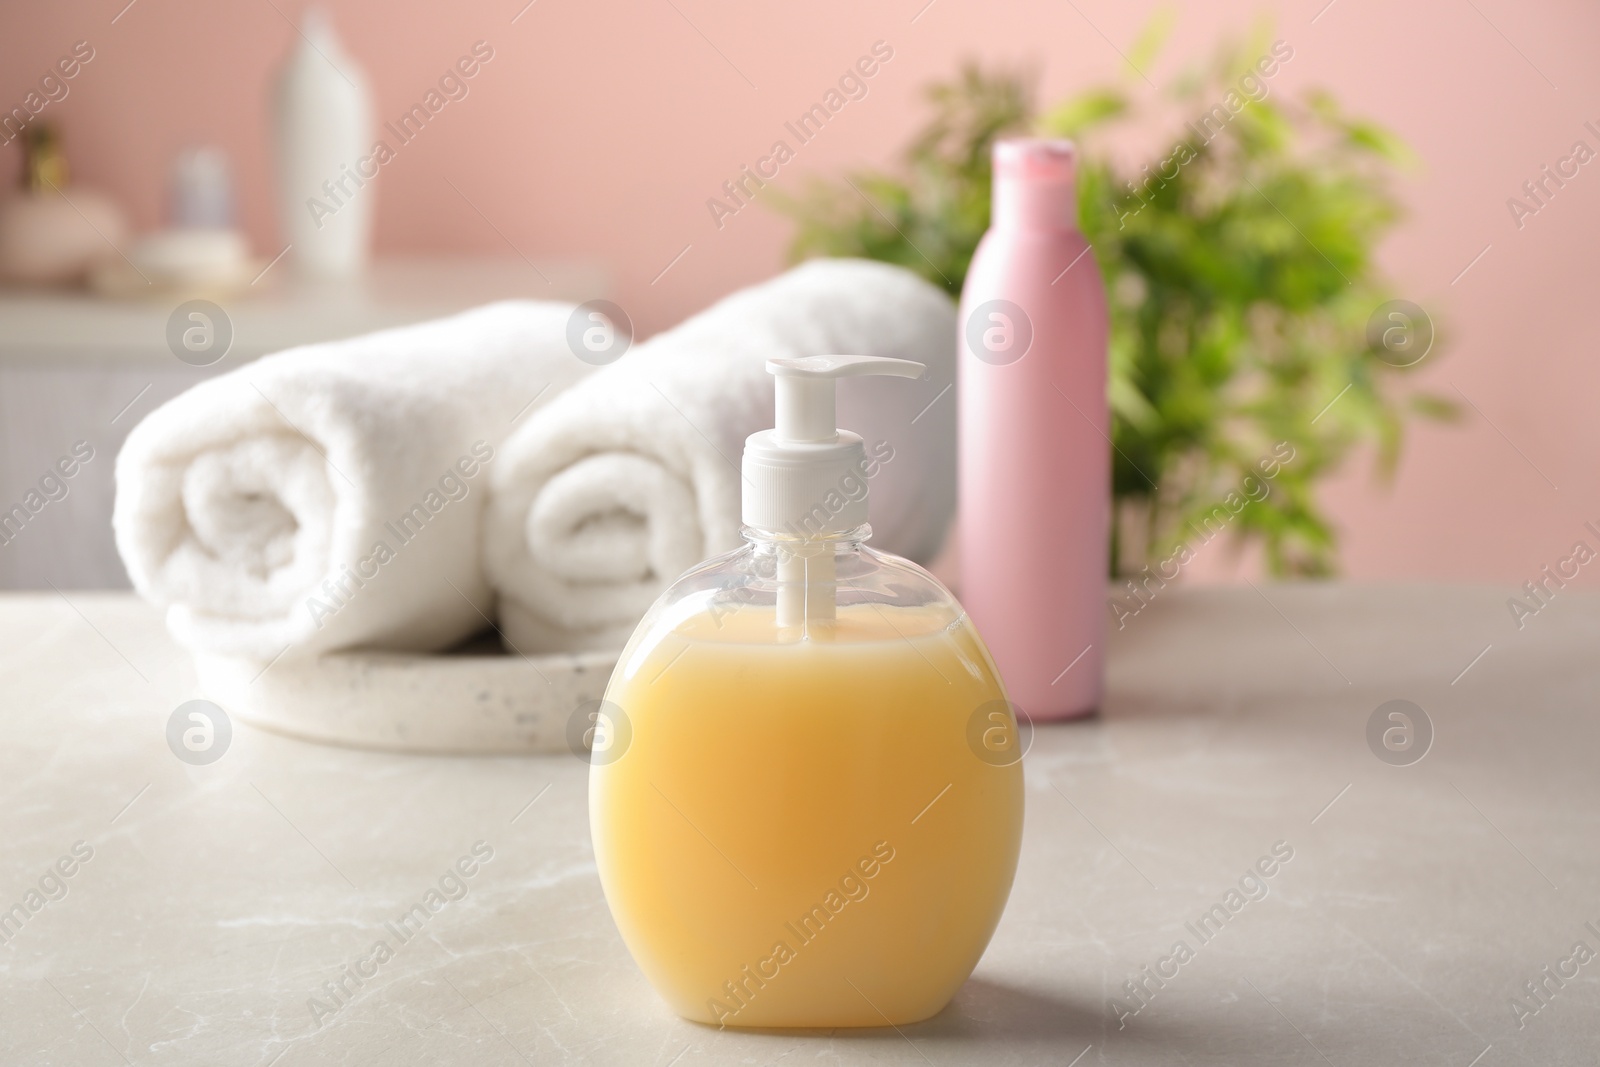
{"x": 632, "y": 477}
{"x": 332, "y": 495}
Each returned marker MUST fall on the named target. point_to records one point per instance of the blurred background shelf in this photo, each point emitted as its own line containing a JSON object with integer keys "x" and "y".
{"x": 75, "y": 367}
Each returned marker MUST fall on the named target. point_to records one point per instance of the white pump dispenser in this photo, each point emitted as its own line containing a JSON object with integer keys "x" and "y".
{"x": 791, "y": 470}
{"x": 805, "y": 480}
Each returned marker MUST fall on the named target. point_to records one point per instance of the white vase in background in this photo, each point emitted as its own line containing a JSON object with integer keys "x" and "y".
{"x": 323, "y": 126}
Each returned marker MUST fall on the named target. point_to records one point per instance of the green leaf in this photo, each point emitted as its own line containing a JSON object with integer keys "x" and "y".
{"x": 1142, "y": 54}
{"x": 1071, "y": 117}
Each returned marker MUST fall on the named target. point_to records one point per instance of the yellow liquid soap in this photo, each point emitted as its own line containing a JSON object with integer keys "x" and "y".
{"x": 808, "y": 828}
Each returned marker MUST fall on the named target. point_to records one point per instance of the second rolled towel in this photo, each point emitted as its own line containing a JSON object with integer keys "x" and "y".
{"x": 632, "y": 476}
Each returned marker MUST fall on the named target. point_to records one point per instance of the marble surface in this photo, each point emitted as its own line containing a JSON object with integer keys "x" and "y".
{"x": 220, "y": 898}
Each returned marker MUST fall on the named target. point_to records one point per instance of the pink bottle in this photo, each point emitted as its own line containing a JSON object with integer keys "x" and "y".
{"x": 1035, "y": 464}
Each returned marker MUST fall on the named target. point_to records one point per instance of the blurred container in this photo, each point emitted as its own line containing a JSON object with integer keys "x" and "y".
{"x": 323, "y": 125}
{"x": 53, "y": 233}
{"x": 1035, "y": 446}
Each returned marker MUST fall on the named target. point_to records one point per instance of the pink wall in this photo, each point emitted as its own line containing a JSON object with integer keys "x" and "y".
{"x": 600, "y": 129}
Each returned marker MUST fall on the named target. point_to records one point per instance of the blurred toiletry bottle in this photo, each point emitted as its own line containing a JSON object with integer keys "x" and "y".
{"x": 48, "y": 235}
{"x": 1035, "y": 449}
{"x": 201, "y": 194}
{"x": 326, "y": 155}
{"x": 805, "y": 788}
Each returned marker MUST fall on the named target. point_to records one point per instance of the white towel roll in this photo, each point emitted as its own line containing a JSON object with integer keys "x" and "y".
{"x": 633, "y": 476}
{"x": 331, "y": 496}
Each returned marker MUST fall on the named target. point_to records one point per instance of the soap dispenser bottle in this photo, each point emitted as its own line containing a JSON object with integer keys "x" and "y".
{"x": 806, "y": 788}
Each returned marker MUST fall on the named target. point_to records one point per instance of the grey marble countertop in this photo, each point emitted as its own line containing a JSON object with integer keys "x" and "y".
{"x": 205, "y": 906}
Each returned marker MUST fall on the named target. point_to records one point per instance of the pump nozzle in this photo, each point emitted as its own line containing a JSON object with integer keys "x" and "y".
{"x": 805, "y": 481}
{"x": 805, "y": 393}
{"x": 806, "y": 477}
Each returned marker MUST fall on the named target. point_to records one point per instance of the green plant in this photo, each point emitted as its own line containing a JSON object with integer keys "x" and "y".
{"x": 1239, "y": 265}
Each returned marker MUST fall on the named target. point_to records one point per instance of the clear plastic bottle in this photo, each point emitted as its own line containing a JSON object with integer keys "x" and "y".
{"x": 807, "y": 805}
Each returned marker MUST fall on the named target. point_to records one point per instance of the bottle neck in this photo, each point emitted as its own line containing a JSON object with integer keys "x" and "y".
{"x": 802, "y": 543}
{"x": 44, "y": 168}
{"x": 1030, "y": 202}
{"x": 806, "y": 571}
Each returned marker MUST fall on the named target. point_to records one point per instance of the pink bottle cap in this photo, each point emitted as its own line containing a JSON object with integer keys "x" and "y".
{"x": 1034, "y": 183}
{"x": 1036, "y": 159}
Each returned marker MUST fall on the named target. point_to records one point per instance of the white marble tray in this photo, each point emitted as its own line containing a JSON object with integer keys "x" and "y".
{"x": 475, "y": 699}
